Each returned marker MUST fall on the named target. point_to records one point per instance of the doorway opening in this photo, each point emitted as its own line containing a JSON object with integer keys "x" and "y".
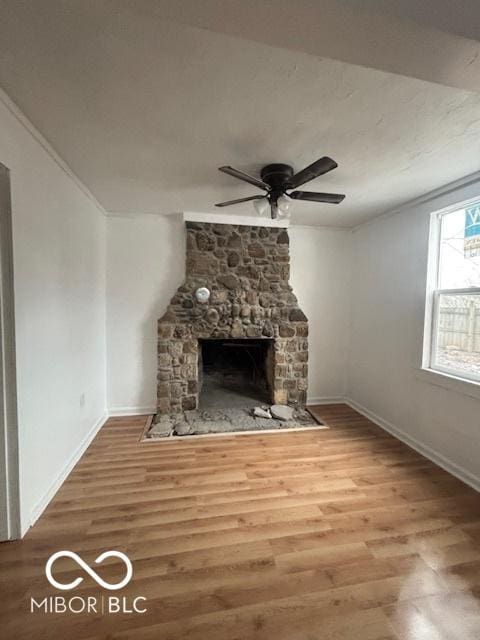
{"x": 9, "y": 467}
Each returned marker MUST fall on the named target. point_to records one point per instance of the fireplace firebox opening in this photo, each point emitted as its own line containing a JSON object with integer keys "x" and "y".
{"x": 235, "y": 372}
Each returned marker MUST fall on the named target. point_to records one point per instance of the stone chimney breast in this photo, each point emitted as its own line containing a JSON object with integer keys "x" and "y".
{"x": 246, "y": 269}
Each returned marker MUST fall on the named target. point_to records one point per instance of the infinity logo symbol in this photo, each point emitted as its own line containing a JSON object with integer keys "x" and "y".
{"x": 87, "y": 569}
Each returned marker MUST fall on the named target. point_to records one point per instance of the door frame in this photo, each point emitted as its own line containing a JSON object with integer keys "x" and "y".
{"x": 10, "y": 526}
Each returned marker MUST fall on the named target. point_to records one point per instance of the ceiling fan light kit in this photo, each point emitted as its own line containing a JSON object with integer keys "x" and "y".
{"x": 261, "y": 206}
{"x": 276, "y": 180}
{"x": 284, "y": 204}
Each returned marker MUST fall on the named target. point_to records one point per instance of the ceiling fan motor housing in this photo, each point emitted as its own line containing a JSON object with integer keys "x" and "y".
{"x": 277, "y": 176}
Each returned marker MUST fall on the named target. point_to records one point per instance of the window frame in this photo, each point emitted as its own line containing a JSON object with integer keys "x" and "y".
{"x": 434, "y": 292}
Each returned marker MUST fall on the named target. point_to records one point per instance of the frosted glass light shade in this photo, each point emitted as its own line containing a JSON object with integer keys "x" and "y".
{"x": 261, "y": 206}
{"x": 284, "y": 203}
{"x": 284, "y": 215}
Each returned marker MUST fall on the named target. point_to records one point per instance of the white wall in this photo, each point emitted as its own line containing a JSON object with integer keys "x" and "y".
{"x": 146, "y": 264}
{"x": 388, "y": 301}
{"x": 59, "y": 274}
{"x": 320, "y": 277}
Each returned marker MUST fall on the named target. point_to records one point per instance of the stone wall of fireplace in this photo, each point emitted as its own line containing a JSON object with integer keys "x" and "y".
{"x": 247, "y": 271}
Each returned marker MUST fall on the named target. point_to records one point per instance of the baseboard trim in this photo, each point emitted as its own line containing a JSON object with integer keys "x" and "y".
{"x": 41, "y": 505}
{"x": 448, "y": 465}
{"x": 325, "y": 400}
{"x": 118, "y": 412}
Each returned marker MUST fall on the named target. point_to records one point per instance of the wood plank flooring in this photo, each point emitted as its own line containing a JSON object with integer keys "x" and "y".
{"x": 343, "y": 534}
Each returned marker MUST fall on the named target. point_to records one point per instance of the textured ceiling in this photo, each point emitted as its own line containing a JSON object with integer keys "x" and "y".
{"x": 144, "y": 110}
{"x": 461, "y": 17}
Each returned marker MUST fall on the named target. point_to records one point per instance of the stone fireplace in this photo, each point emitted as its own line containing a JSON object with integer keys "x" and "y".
{"x": 246, "y": 269}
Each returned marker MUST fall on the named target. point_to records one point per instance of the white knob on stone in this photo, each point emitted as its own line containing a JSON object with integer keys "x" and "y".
{"x": 202, "y": 294}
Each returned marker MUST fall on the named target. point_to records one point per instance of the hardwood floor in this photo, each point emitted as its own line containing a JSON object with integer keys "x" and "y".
{"x": 344, "y": 534}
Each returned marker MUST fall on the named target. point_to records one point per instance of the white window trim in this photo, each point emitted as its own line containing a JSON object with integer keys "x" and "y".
{"x": 436, "y": 374}
{"x": 433, "y": 346}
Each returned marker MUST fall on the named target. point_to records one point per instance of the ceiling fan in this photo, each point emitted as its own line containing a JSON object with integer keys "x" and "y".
{"x": 276, "y": 180}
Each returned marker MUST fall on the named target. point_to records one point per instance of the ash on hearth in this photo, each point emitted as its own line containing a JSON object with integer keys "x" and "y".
{"x": 230, "y": 420}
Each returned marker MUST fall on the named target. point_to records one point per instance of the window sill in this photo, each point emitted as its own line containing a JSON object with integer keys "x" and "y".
{"x": 450, "y": 382}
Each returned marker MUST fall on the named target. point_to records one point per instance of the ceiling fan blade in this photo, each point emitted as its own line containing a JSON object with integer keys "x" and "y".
{"x": 332, "y": 198}
{"x": 317, "y": 168}
{"x": 241, "y": 175}
{"x": 229, "y": 202}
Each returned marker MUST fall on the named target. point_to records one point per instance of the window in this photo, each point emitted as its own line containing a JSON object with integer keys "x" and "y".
{"x": 455, "y": 297}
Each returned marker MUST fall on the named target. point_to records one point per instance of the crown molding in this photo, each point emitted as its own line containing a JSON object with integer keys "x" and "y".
{"x": 430, "y": 197}
{"x": 47, "y": 147}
